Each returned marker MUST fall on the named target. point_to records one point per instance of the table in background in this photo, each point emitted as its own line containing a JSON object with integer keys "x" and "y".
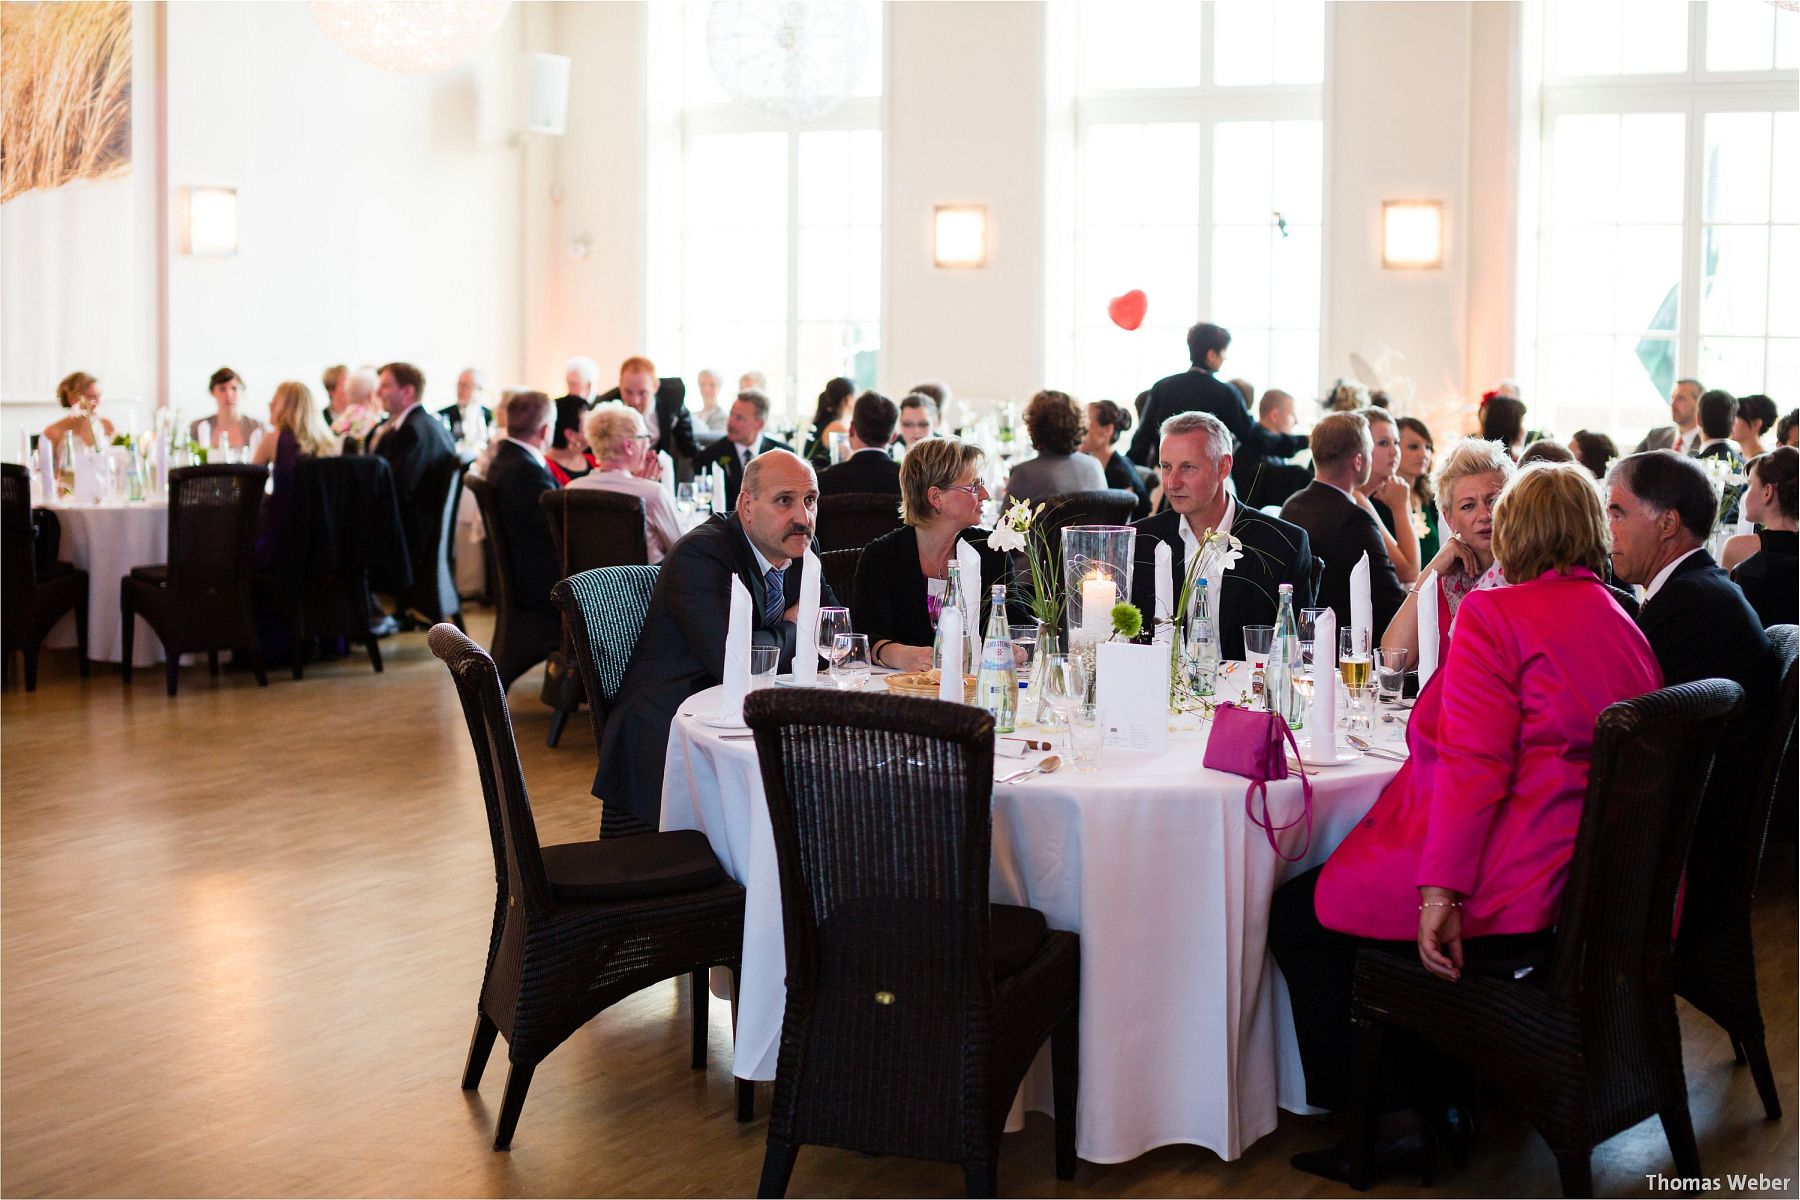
{"x": 106, "y": 541}
{"x": 1185, "y": 1031}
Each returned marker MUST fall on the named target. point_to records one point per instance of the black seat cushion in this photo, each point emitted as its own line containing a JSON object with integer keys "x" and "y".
{"x": 52, "y": 570}
{"x": 1014, "y": 937}
{"x": 632, "y": 868}
{"x": 156, "y": 573}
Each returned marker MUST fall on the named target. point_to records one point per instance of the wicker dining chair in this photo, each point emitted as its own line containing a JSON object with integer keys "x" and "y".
{"x": 839, "y": 570}
{"x": 913, "y": 1006}
{"x": 578, "y": 926}
{"x": 521, "y": 641}
{"x": 1588, "y": 1045}
{"x": 35, "y": 597}
{"x": 432, "y": 593}
{"x": 604, "y": 611}
{"x": 592, "y": 529}
{"x": 203, "y": 597}
{"x": 853, "y": 519}
{"x": 1715, "y": 955}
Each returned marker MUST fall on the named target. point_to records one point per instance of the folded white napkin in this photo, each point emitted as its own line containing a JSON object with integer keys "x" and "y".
{"x": 1428, "y": 627}
{"x": 1362, "y": 615}
{"x": 47, "y": 469}
{"x": 737, "y": 652}
{"x": 1165, "y": 594}
{"x": 969, "y": 566}
{"x": 950, "y": 685}
{"x": 718, "y": 488}
{"x": 162, "y": 468}
{"x": 1321, "y": 716}
{"x": 806, "y": 623}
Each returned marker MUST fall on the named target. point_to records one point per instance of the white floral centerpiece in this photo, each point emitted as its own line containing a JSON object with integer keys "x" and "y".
{"x": 359, "y": 422}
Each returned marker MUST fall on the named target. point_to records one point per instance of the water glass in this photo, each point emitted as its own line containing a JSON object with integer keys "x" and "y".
{"x": 832, "y": 623}
{"x": 1309, "y": 623}
{"x": 763, "y": 661}
{"x": 1065, "y": 685}
{"x": 684, "y": 499}
{"x": 1390, "y": 673}
{"x": 1257, "y": 641}
{"x": 1084, "y": 738}
{"x": 1359, "y": 708}
{"x": 850, "y": 660}
{"x": 1024, "y": 641}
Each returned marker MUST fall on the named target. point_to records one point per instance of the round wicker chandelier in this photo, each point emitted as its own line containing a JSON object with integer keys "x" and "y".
{"x": 796, "y": 60}
{"x": 415, "y": 36}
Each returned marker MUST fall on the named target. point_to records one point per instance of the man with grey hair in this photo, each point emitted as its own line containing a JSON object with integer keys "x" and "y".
{"x": 462, "y": 417}
{"x": 711, "y": 414}
{"x": 1194, "y": 456}
{"x": 1341, "y": 529}
{"x": 516, "y": 477}
{"x": 582, "y": 375}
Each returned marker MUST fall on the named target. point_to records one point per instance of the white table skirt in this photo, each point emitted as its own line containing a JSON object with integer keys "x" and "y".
{"x": 471, "y": 548}
{"x": 106, "y": 541}
{"x": 1186, "y": 1035}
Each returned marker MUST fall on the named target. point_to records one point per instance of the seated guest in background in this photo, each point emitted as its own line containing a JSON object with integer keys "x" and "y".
{"x": 581, "y": 374}
{"x": 1247, "y": 390}
{"x": 1341, "y": 529}
{"x": 478, "y": 468}
{"x": 742, "y": 442}
{"x": 829, "y": 417}
{"x": 711, "y": 415}
{"x": 918, "y": 418}
{"x": 1756, "y": 418}
{"x": 1346, "y": 395}
{"x": 1416, "y": 450}
{"x": 517, "y": 475}
{"x": 362, "y": 413}
{"x": 336, "y": 399}
{"x": 620, "y": 447}
{"x": 1502, "y": 419}
{"x": 1379, "y": 399}
{"x": 1468, "y": 485}
{"x": 412, "y": 440}
{"x": 462, "y": 417}
{"x": 869, "y": 469}
{"x": 1684, "y": 410}
{"x": 80, "y": 394}
{"x": 681, "y": 649}
{"x": 1199, "y": 389}
{"x": 1388, "y": 495}
{"x": 900, "y": 579}
{"x": 1718, "y": 417}
{"x": 1053, "y": 421}
{"x": 1546, "y": 450}
{"x": 228, "y": 427}
{"x": 1787, "y": 430}
{"x": 1763, "y": 563}
{"x": 1272, "y": 479}
{"x": 1275, "y": 411}
{"x": 296, "y": 430}
{"x": 1593, "y": 450}
{"x": 1660, "y": 507}
{"x": 663, "y": 405}
{"x": 938, "y": 393}
{"x": 1105, "y": 422}
{"x": 1464, "y": 857}
{"x": 569, "y": 457}
{"x": 1194, "y": 459}
{"x": 753, "y": 381}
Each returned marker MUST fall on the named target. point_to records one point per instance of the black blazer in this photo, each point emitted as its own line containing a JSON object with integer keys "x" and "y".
{"x": 1197, "y": 390}
{"x": 517, "y": 481}
{"x": 1767, "y": 578}
{"x": 1700, "y": 626}
{"x": 411, "y": 448}
{"x": 890, "y": 587}
{"x": 674, "y": 426}
{"x": 1122, "y": 474}
{"x": 867, "y": 470}
{"x": 1341, "y": 531}
{"x": 453, "y": 417}
{"x": 680, "y": 651}
{"x": 724, "y": 453}
{"x": 1275, "y": 552}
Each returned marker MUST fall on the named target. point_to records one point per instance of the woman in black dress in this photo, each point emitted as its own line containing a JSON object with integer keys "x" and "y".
{"x": 1106, "y": 423}
{"x": 1764, "y": 563}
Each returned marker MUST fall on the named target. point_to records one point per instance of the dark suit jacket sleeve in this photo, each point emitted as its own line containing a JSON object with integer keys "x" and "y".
{"x": 677, "y": 424}
{"x": 697, "y": 597}
{"x": 1674, "y": 624}
{"x": 536, "y": 561}
{"x": 1145, "y": 441}
{"x": 1230, "y": 410}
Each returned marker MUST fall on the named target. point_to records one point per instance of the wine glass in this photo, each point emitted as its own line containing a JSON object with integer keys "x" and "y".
{"x": 703, "y": 497}
{"x": 1353, "y": 657}
{"x": 1065, "y": 686}
{"x": 850, "y": 660}
{"x": 833, "y": 622}
{"x": 1309, "y": 623}
{"x": 684, "y": 499}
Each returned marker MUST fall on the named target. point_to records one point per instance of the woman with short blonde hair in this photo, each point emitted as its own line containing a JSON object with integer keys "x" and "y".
{"x": 611, "y": 430}
{"x": 615, "y": 436}
{"x": 80, "y": 394}
{"x": 1550, "y": 519}
{"x": 935, "y": 467}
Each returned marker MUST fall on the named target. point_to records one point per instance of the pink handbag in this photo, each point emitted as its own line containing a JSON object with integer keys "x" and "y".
{"x": 1251, "y": 743}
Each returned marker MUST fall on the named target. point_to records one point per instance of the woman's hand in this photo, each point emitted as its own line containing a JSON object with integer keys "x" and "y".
{"x": 1394, "y": 493}
{"x": 1454, "y": 553}
{"x": 1440, "y": 932}
{"x": 906, "y": 658}
{"x": 650, "y": 467}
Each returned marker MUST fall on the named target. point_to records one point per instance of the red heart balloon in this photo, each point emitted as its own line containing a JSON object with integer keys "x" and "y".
{"x": 1127, "y": 311}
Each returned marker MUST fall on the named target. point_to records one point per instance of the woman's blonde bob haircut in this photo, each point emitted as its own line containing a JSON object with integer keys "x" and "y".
{"x": 1471, "y": 456}
{"x": 1550, "y": 518}
{"x": 610, "y": 429}
{"x": 934, "y": 463}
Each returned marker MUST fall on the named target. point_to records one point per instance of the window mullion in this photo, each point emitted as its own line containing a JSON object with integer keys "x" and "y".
{"x": 1693, "y": 241}
{"x": 793, "y": 273}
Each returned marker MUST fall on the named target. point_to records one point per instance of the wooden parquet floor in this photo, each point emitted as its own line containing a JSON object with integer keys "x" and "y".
{"x": 241, "y": 934}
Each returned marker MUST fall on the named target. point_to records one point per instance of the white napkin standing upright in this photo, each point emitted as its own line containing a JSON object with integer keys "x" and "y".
{"x": 162, "y": 467}
{"x": 1362, "y": 616}
{"x": 1165, "y": 594}
{"x": 1428, "y": 627}
{"x": 47, "y": 468}
{"x": 968, "y": 565}
{"x": 950, "y": 681}
{"x": 718, "y": 488}
{"x": 87, "y": 475}
{"x": 806, "y": 623}
{"x": 1321, "y": 715}
{"x": 737, "y": 652}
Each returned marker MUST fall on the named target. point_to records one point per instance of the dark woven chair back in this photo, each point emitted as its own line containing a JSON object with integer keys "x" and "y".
{"x": 1759, "y": 776}
{"x": 1107, "y": 506}
{"x": 595, "y": 529}
{"x": 605, "y": 611}
{"x": 500, "y": 578}
{"x": 212, "y": 532}
{"x": 839, "y": 569}
{"x": 854, "y": 519}
{"x": 433, "y": 590}
{"x": 18, "y": 554}
{"x": 879, "y": 807}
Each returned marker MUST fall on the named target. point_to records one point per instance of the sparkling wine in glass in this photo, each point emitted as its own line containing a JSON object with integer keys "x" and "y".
{"x": 1354, "y": 660}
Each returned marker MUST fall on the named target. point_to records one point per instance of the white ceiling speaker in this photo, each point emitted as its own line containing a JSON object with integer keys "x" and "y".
{"x": 546, "y": 93}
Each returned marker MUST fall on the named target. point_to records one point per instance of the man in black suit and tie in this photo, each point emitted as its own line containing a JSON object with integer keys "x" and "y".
{"x": 742, "y": 442}
{"x": 681, "y": 649}
{"x": 1199, "y": 389}
{"x": 869, "y": 469}
{"x": 412, "y": 440}
{"x": 663, "y": 405}
{"x": 1342, "y": 525}
{"x": 1195, "y": 461}
{"x": 471, "y": 387}
{"x": 517, "y": 475}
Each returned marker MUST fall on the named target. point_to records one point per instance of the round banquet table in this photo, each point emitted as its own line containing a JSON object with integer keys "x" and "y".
{"x": 1186, "y": 1036}
{"x": 106, "y": 541}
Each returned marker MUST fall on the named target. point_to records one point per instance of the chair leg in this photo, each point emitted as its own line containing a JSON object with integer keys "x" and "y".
{"x": 778, "y": 1166}
{"x": 746, "y": 1088}
{"x": 212, "y": 663}
{"x": 481, "y": 1044}
{"x": 31, "y": 655}
{"x": 1367, "y": 1120}
{"x": 374, "y": 647}
{"x": 254, "y": 653}
{"x": 981, "y": 1179}
{"x": 1678, "y": 1127}
{"x": 81, "y": 637}
{"x": 517, "y": 1081}
{"x": 697, "y": 984}
{"x": 174, "y": 668}
{"x": 127, "y": 635}
{"x": 558, "y": 718}
{"x": 456, "y": 619}
{"x": 1573, "y": 1169}
{"x": 1065, "y": 1082}
{"x": 1757, "y": 1055}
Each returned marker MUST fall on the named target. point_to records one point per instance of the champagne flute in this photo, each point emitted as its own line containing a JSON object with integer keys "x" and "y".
{"x": 1065, "y": 686}
{"x": 850, "y": 660}
{"x": 1353, "y": 657}
{"x": 833, "y": 622}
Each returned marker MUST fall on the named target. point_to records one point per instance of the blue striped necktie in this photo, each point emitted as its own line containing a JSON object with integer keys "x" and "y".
{"x": 774, "y": 598}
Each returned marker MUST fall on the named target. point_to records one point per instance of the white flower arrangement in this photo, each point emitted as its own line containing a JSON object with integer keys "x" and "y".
{"x": 358, "y": 423}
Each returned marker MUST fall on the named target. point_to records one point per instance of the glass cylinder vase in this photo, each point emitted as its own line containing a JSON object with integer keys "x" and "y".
{"x": 1097, "y": 562}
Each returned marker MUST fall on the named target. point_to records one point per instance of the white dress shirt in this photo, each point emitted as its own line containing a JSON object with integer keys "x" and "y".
{"x": 1215, "y": 574}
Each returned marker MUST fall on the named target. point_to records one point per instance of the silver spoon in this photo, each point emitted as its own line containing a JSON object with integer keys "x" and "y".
{"x": 1046, "y": 766}
{"x": 1374, "y": 750}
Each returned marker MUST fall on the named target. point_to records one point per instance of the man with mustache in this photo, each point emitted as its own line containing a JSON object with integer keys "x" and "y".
{"x": 681, "y": 649}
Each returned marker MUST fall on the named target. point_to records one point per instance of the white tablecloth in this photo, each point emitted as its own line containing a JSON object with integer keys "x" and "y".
{"x": 1186, "y": 1035}
{"x": 106, "y": 541}
{"x": 471, "y": 548}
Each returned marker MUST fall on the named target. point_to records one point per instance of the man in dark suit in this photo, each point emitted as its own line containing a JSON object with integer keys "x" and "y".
{"x": 1199, "y": 389}
{"x": 1195, "y": 462}
{"x": 742, "y": 442}
{"x": 681, "y": 649}
{"x": 869, "y": 469}
{"x": 1684, "y": 410}
{"x": 470, "y": 385}
{"x": 667, "y": 420}
{"x": 411, "y": 439}
{"x": 517, "y": 475}
{"x": 581, "y": 375}
{"x": 1341, "y": 525}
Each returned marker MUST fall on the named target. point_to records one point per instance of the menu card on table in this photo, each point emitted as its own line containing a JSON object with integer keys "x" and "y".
{"x": 1132, "y": 696}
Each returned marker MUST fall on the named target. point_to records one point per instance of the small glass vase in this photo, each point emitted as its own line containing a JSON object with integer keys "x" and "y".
{"x": 1048, "y": 643}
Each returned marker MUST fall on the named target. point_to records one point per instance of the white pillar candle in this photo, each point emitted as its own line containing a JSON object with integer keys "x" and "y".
{"x": 1098, "y": 595}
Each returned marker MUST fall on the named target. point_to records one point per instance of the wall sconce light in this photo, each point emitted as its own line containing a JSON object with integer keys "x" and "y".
{"x": 209, "y": 222}
{"x": 959, "y": 235}
{"x": 1412, "y": 234}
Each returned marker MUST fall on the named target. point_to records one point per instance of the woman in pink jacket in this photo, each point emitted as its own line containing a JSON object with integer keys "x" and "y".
{"x": 1466, "y": 852}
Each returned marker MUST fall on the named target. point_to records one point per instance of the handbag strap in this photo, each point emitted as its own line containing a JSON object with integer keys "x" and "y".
{"x": 1259, "y": 788}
